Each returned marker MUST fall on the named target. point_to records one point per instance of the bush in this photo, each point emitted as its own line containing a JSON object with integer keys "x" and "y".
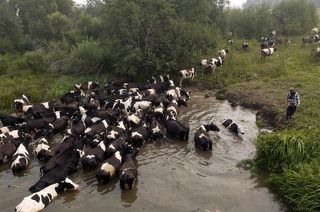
{"x": 34, "y": 61}
{"x": 87, "y": 57}
{"x": 284, "y": 150}
{"x": 299, "y": 188}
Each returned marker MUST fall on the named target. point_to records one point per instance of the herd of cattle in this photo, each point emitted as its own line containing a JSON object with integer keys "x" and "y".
{"x": 102, "y": 129}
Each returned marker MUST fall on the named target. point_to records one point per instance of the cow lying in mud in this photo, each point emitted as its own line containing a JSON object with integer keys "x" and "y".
{"x": 39, "y": 200}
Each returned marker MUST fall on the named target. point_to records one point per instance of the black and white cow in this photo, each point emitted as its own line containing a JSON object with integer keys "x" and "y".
{"x": 223, "y": 54}
{"x": 39, "y": 200}
{"x": 20, "y": 103}
{"x": 186, "y": 74}
{"x": 128, "y": 172}
{"x": 211, "y": 64}
{"x": 87, "y": 86}
{"x": 21, "y": 159}
{"x": 95, "y": 130}
{"x": 134, "y": 119}
{"x": 65, "y": 144}
{"x": 176, "y": 129}
{"x": 202, "y": 137}
{"x": 72, "y": 153}
{"x": 8, "y": 120}
{"x": 109, "y": 168}
{"x": 173, "y": 109}
{"x": 233, "y": 126}
{"x": 94, "y": 157}
{"x": 115, "y": 131}
{"x": 267, "y": 52}
{"x": 41, "y": 145}
{"x": 159, "y": 112}
{"x": 155, "y": 130}
{"x": 177, "y": 93}
{"x": 56, "y": 175}
{"x": 139, "y": 135}
{"x": 245, "y": 46}
{"x": 59, "y": 125}
{"x": 43, "y": 110}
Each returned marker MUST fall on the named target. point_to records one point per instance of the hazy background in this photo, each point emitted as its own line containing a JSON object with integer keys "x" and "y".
{"x": 234, "y": 3}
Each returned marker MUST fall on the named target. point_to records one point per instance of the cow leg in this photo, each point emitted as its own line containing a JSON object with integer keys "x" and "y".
{"x": 181, "y": 80}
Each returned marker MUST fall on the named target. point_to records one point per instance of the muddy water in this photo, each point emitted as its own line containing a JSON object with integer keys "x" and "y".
{"x": 173, "y": 176}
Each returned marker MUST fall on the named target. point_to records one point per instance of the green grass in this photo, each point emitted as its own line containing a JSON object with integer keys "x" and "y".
{"x": 299, "y": 188}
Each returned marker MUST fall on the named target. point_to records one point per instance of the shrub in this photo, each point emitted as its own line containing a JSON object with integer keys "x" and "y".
{"x": 284, "y": 150}
{"x": 87, "y": 57}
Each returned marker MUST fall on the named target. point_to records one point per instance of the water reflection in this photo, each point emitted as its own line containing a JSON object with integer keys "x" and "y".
{"x": 130, "y": 196}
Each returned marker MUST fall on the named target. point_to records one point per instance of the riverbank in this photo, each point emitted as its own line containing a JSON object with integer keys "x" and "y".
{"x": 290, "y": 156}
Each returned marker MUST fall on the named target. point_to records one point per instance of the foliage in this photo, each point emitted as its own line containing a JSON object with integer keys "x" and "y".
{"x": 290, "y": 17}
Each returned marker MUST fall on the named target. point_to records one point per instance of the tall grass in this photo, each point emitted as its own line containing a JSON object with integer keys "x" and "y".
{"x": 299, "y": 188}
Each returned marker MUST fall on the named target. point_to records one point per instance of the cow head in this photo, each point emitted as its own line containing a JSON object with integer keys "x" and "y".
{"x": 185, "y": 93}
{"x": 213, "y": 127}
{"x": 67, "y": 184}
{"x": 128, "y": 178}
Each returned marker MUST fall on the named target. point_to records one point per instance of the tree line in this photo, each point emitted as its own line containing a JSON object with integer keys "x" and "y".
{"x": 132, "y": 38}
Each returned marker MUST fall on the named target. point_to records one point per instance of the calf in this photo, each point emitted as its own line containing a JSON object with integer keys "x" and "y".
{"x": 233, "y": 126}
{"x": 21, "y": 159}
{"x": 128, "y": 172}
{"x": 202, "y": 138}
{"x": 176, "y": 130}
{"x": 109, "y": 168}
{"x": 186, "y": 74}
{"x": 267, "y": 52}
{"x": 39, "y": 200}
{"x": 94, "y": 157}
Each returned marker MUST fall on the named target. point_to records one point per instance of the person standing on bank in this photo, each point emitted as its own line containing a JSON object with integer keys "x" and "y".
{"x": 293, "y": 101}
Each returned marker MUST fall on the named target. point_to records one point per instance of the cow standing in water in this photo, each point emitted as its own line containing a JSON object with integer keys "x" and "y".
{"x": 186, "y": 74}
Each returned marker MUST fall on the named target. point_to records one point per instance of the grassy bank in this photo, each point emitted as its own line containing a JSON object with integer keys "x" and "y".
{"x": 290, "y": 156}
{"x": 38, "y": 86}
